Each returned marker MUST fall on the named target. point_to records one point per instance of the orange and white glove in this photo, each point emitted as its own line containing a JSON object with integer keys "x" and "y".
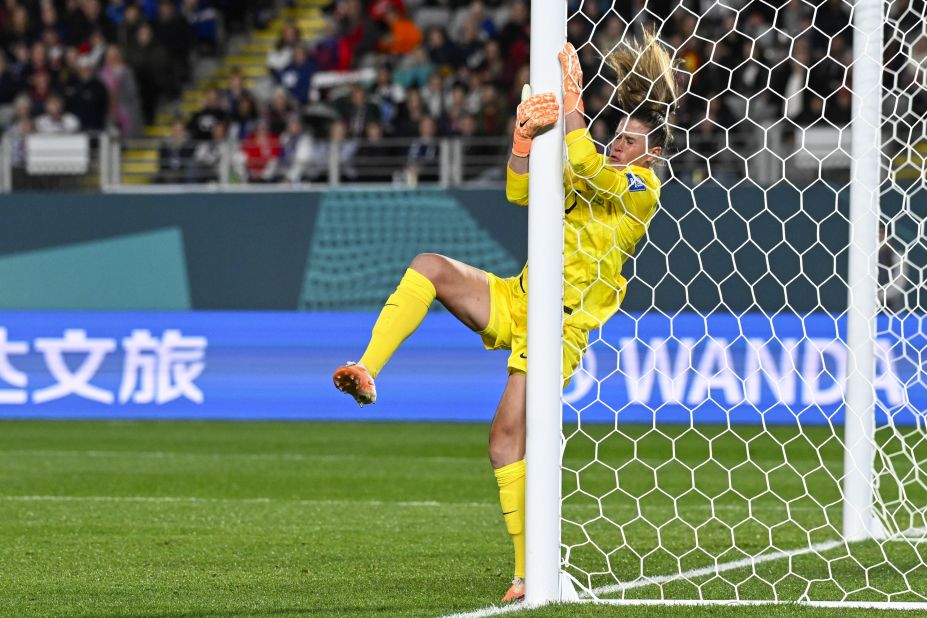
{"x": 572, "y": 79}
{"x": 534, "y": 113}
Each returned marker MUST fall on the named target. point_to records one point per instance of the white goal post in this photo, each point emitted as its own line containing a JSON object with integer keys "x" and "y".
{"x": 758, "y": 434}
{"x": 545, "y": 302}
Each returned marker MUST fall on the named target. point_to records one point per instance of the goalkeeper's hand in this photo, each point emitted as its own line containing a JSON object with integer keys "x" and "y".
{"x": 534, "y": 113}
{"x": 572, "y": 79}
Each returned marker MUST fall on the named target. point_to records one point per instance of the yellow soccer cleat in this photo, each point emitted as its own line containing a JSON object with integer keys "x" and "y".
{"x": 516, "y": 593}
{"x": 357, "y": 382}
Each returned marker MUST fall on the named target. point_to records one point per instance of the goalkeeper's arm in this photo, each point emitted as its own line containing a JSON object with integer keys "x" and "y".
{"x": 573, "y": 108}
{"x": 534, "y": 113}
{"x": 581, "y": 152}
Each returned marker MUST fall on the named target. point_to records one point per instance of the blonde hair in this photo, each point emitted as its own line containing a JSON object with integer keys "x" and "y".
{"x": 646, "y": 83}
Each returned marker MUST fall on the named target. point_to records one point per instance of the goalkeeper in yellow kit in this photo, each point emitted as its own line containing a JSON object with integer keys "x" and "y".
{"x": 609, "y": 202}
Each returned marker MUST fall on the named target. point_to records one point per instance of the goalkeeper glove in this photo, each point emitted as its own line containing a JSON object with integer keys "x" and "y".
{"x": 572, "y": 79}
{"x": 534, "y": 113}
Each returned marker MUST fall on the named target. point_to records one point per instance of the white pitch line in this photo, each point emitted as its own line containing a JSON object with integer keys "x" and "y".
{"x": 213, "y": 455}
{"x": 489, "y": 611}
{"x": 662, "y": 579}
{"x": 200, "y": 500}
{"x": 717, "y": 568}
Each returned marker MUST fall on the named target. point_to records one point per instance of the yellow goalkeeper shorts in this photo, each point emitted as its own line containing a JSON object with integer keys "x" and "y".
{"x": 508, "y": 327}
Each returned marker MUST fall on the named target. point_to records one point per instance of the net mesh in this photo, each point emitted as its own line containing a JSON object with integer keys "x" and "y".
{"x": 703, "y": 438}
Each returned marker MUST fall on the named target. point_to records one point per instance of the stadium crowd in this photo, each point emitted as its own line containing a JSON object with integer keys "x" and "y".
{"x": 442, "y": 68}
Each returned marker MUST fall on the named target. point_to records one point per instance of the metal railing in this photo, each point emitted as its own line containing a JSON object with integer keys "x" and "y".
{"x": 102, "y": 162}
{"x": 306, "y": 162}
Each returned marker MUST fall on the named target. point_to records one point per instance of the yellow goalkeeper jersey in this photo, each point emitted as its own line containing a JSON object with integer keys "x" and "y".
{"x": 606, "y": 212}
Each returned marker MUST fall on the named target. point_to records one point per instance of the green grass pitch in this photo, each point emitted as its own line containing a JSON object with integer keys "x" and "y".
{"x": 311, "y": 519}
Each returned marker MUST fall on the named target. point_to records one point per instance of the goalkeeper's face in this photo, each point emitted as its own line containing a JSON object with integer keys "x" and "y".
{"x": 629, "y": 146}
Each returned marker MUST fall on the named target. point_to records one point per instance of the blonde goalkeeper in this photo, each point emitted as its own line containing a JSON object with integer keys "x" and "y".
{"x": 610, "y": 200}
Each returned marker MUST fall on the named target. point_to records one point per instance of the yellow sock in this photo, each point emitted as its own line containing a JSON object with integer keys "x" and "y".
{"x": 403, "y": 312}
{"x": 511, "y": 480}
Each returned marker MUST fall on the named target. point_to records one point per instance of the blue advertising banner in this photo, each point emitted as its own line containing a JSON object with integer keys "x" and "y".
{"x": 272, "y": 366}
{"x": 750, "y": 368}
{"x": 234, "y": 365}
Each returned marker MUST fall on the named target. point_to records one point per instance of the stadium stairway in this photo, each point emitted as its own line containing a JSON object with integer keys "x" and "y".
{"x": 139, "y": 164}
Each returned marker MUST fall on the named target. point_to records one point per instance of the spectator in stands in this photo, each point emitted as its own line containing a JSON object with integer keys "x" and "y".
{"x": 88, "y": 17}
{"x": 175, "y": 155}
{"x": 375, "y": 159}
{"x": 297, "y": 76}
{"x": 48, "y": 19}
{"x": 37, "y": 58}
{"x": 115, "y": 11}
{"x": 791, "y": 16}
{"x": 211, "y": 111}
{"x": 442, "y": 52}
{"x": 124, "y": 105}
{"x": 514, "y": 91}
{"x": 86, "y": 97}
{"x": 493, "y": 66}
{"x": 377, "y": 9}
{"x": 54, "y": 47}
{"x": 261, "y": 152}
{"x": 280, "y": 109}
{"x": 422, "y": 158}
{"x": 9, "y": 84}
{"x": 280, "y": 56}
{"x": 832, "y": 17}
{"x": 237, "y": 91}
{"x": 838, "y": 108}
{"x": 22, "y": 109}
{"x": 481, "y": 159}
{"x": 387, "y": 95}
{"x": 410, "y": 114}
{"x": 454, "y": 110}
{"x": 787, "y": 80}
{"x": 414, "y": 70}
{"x": 471, "y": 50}
{"x": 338, "y": 145}
{"x": 473, "y": 15}
{"x": 16, "y": 135}
{"x": 173, "y": 32}
{"x": 332, "y": 51}
{"x": 153, "y": 69}
{"x": 19, "y": 63}
{"x": 204, "y": 23}
{"x": 244, "y": 121}
{"x": 18, "y": 27}
{"x": 433, "y": 95}
{"x": 95, "y": 47}
{"x": 295, "y": 151}
{"x": 751, "y": 80}
{"x": 361, "y": 34}
{"x": 357, "y": 110}
{"x": 40, "y": 91}
{"x": 492, "y": 118}
{"x": 208, "y": 155}
{"x": 38, "y": 62}
{"x": 131, "y": 21}
{"x": 812, "y": 113}
{"x": 514, "y": 38}
{"x": 55, "y": 120}
{"x": 403, "y": 35}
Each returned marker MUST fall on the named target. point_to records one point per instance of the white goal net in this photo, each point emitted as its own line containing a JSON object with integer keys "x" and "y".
{"x": 725, "y": 438}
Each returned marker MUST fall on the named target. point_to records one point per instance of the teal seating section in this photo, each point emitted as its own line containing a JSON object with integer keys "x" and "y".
{"x": 364, "y": 240}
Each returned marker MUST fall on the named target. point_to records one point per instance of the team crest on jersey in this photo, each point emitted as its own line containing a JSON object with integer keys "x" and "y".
{"x": 635, "y": 183}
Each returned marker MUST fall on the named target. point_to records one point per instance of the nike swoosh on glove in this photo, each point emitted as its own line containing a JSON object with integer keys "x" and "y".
{"x": 534, "y": 113}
